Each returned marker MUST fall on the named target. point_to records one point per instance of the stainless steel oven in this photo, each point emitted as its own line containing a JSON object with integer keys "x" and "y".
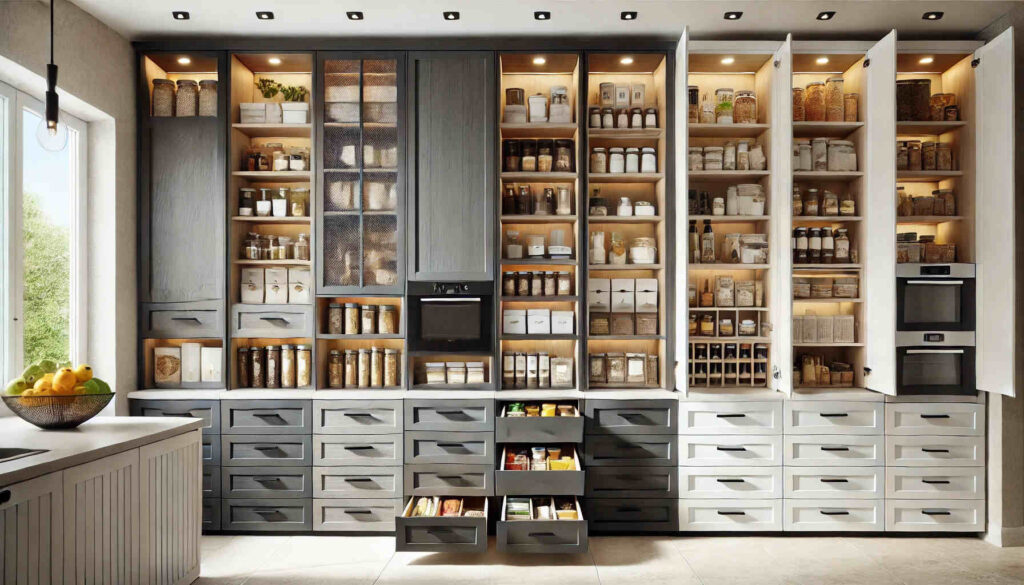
{"x": 451, "y": 316}
{"x": 935, "y": 363}
{"x": 935, "y": 297}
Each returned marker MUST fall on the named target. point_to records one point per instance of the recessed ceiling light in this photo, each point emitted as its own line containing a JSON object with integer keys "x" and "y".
{"x": 733, "y": 15}
{"x": 728, "y": 60}
{"x": 926, "y": 60}
{"x": 627, "y": 15}
{"x": 451, "y": 15}
{"x": 180, "y": 15}
{"x": 932, "y": 15}
{"x": 826, "y": 15}
{"x": 542, "y": 15}
{"x": 821, "y": 60}
{"x": 274, "y": 60}
{"x": 265, "y": 15}
{"x": 184, "y": 60}
{"x": 354, "y": 15}
{"x": 539, "y": 60}
{"x": 626, "y": 60}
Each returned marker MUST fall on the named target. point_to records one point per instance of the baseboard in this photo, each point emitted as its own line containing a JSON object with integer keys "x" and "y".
{"x": 1005, "y": 537}
{"x": 192, "y": 576}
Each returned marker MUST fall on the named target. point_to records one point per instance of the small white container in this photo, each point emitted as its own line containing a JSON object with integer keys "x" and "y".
{"x": 538, "y": 105}
{"x": 616, "y": 160}
{"x": 211, "y": 360}
{"x": 276, "y": 283}
{"x": 295, "y": 112}
{"x": 513, "y": 322}
{"x": 563, "y": 322}
{"x": 252, "y": 285}
{"x": 649, "y": 160}
{"x": 625, "y": 208}
{"x": 632, "y": 160}
{"x": 253, "y": 113}
{"x": 599, "y": 294}
{"x": 191, "y": 362}
{"x": 300, "y": 286}
{"x": 538, "y": 321}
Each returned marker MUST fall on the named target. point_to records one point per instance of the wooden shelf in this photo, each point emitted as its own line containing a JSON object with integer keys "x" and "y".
{"x": 626, "y": 133}
{"x": 365, "y": 171}
{"x": 832, "y": 300}
{"x": 593, "y": 267}
{"x": 541, "y": 299}
{"x": 928, "y": 219}
{"x": 359, "y": 336}
{"x": 740, "y": 338}
{"x": 356, "y": 212}
{"x": 485, "y": 386}
{"x": 626, "y": 337}
{"x": 727, "y": 266}
{"x": 366, "y": 125}
{"x": 539, "y": 262}
{"x": 730, "y": 218}
{"x": 828, "y": 345}
{"x": 727, "y": 130}
{"x": 827, "y": 218}
{"x": 538, "y": 218}
{"x": 625, "y": 177}
{"x": 272, "y": 262}
{"x": 826, "y": 266}
{"x": 825, "y": 129}
{"x": 726, "y": 309}
{"x": 930, "y": 128}
{"x": 275, "y": 130}
{"x": 726, "y": 176}
{"x": 274, "y": 176}
{"x": 827, "y": 176}
{"x": 624, "y": 219}
{"x": 926, "y": 176}
{"x": 538, "y": 130}
{"x": 268, "y": 219}
{"x": 538, "y": 337}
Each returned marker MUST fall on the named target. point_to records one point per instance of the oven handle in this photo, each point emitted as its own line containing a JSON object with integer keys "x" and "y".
{"x": 912, "y": 351}
{"x": 938, "y": 282}
{"x": 449, "y": 299}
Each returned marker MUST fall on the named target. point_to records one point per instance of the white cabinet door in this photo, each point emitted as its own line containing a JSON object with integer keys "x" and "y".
{"x": 682, "y": 251}
{"x": 994, "y": 213}
{"x": 878, "y": 243}
{"x": 780, "y": 290}
{"x": 31, "y": 534}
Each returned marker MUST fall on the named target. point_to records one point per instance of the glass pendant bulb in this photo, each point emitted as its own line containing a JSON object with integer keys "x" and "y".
{"x": 52, "y": 138}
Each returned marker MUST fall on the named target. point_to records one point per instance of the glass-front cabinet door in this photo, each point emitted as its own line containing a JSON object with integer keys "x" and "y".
{"x": 362, "y": 186}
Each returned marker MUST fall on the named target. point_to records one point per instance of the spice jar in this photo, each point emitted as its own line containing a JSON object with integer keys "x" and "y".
{"x": 351, "y": 368}
{"x": 512, "y": 156}
{"x": 616, "y": 159}
{"x": 827, "y": 245}
{"x": 847, "y": 204}
{"x": 187, "y": 98}
{"x": 300, "y": 251}
{"x": 163, "y": 98}
{"x": 636, "y": 117}
{"x": 814, "y": 246}
{"x": 376, "y": 367}
{"x": 564, "y": 284}
{"x": 364, "y": 368}
{"x": 247, "y": 202}
{"x": 335, "y": 319}
{"x": 298, "y": 202}
{"x": 208, "y": 97}
{"x": 928, "y": 156}
{"x": 829, "y": 203}
{"x": 651, "y": 117}
{"x": 745, "y": 107}
{"x": 599, "y": 160}
{"x": 387, "y": 320}
{"x": 257, "y": 367}
{"x": 287, "y": 366}
{"x": 607, "y": 118}
{"x": 390, "y": 368}
{"x": 814, "y": 102}
{"x": 524, "y": 201}
{"x": 243, "y": 367}
{"x": 303, "y": 366}
{"x": 851, "y": 105}
{"x": 335, "y": 370}
{"x": 943, "y": 156}
{"x": 914, "y": 155}
{"x": 351, "y": 319}
{"x": 528, "y": 160}
{"x": 594, "y": 116}
{"x": 798, "y": 104}
{"x": 632, "y": 159}
{"x": 368, "y": 318}
{"x": 841, "y": 252}
{"x": 564, "y": 206}
{"x": 273, "y": 361}
{"x": 564, "y": 159}
{"x": 834, "y": 100}
{"x": 902, "y": 156}
{"x": 545, "y": 155}
{"x": 800, "y": 244}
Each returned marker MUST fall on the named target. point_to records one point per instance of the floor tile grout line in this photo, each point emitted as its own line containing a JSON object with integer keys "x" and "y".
{"x": 687, "y": 561}
{"x": 384, "y": 567}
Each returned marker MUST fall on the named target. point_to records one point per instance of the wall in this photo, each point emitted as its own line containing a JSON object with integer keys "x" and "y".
{"x": 96, "y": 82}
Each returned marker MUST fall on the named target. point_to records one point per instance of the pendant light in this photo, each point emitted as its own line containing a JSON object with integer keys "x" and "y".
{"x": 51, "y": 134}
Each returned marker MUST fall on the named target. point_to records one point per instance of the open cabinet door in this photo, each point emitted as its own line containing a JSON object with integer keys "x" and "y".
{"x": 994, "y": 214}
{"x": 878, "y": 245}
{"x": 682, "y": 252}
{"x": 780, "y": 285}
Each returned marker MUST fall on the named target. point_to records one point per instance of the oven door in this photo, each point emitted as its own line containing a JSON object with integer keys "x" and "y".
{"x": 935, "y": 304}
{"x": 935, "y": 370}
{"x": 450, "y": 323}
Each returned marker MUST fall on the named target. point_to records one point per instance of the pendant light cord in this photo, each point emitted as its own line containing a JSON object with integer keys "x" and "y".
{"x": 52, "y": 2}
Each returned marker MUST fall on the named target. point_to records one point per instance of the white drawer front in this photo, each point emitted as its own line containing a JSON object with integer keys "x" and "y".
{"x": 935, "y": 515}
{"x": 730, "y": 515}
{"x": 817, "y": 451}
{"x": 935, "y": 419}
{"x": 717, "y": 451}
{"x": 930, "y": 483}
{"x": 730, "y": 418}
{"x": 810, "y": 483}
{"x": 834, "y": 418}
{"x": 834, "y": 515}
{"x": 935, "y": 451}
{"x": 730, "y": 482}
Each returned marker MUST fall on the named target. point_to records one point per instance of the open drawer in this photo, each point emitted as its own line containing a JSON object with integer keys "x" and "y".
{"x": 431, "y": 532}
{"x": 545, "y": 536}
{"x": 551, "y": 482}
{"x": 539, "y": 429}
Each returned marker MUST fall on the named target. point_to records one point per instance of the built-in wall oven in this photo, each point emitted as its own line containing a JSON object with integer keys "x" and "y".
{"x": 451, "y": 316}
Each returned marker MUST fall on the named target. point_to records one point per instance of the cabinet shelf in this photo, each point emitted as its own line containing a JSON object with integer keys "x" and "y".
{"x": 538, "y": 337}
{"x": 539, "y": 177}
{"x": 625, "y": 219}
{"x": 725, "y": 309}
{"x": 730, "y": 218}
{"x": 280, "y": 220}
{"x": 926, "y": 176}
{"x": 354, "y": 212}
{"x": 274, "y": 130}
{"x": 538, "y": 130}
{"x": 828, "y": 345}
{"x": 827, "y": 218}
{"x": 625, "y": 177}
{"x": 539, "y": 262}
{"x": 727, "y": 130}
{"x": 833, "y": 176}
{"x": 727, "y": 266}
{"x": 928, "y": 219}
{"x": 365, "y": 171}
{"x": 366, "y": 125}
{"x": 826, "y": 267}
{"x": 626, "y": 337}
{"x": 625, "y": 267}
{"x": 358, "y": 336}
{"x": 832, "y": 300}
{"x": 541, "y": 299}
{"x": 741, "y": 338}
{"x": 726, "y": 176}
{"x": 272, "y": 262}
{"x": 274, "y": 176}
{"x": 825, "y": 129}
{"x": 538, "y": 218}
{"x": 626, "y": 133}
{"x": 929, "y": 128}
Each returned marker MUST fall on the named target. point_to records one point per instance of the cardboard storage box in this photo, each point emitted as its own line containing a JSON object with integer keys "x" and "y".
{"x": 647, "y": 295}
{"x": 538, "y": 321}
{"x": 276, "y": 283}
{"x": 252, "y": 285}
{"x": 513, "y": 322}
{"x": 300, "y": 286}
{"x": 599, "y": 296}
{"x": 563, "y": 322}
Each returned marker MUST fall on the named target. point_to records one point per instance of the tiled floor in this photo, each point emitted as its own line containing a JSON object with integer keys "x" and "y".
{"x": 754, "y": 560}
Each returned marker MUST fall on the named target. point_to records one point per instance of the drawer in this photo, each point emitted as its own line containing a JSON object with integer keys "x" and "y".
{"x": 273, "y": 321}
{"x": 434, "y": 447}
{"x": 208, "y": 410}
{"x": 723, "y": 450}
{"x": 631, "y": 450}
{"x": 730, "y": 418}
{"x": 834, "y": 515}
{"x": 441, "y": 534}
{"x": 370, "y": 515}
{"x": 357, "y": 482}
{"x": 624, "y": 515}
{"x": 453, "y": 480}
{"x": 449, "y": 415}
{"x": 934, "y": 451}
{"x": 730, "y": 482}
{"x": 165, "y": 323}
{"x": 808, "y": 417}
{"x": 374, "y": 450}
{"x": 935, "y": 515}
{"x": 935, "y": 483}
{"x": 934, "y": 419}
{"x": 211, "y": 450}
{"x": 267, "y": 482}
{"x": 865, "y": 483}
{"x": 211, "y": 515}
{"x": 824, "y": 451}
{"x": 631, "y": 417}
{"x": 267, "y": 515}
{"x": 730, "y": 515}
{"x": 275, "y": 417}
{"x": 542, "y": 536}
{"x": 351, "y": 417}
{"x": 538, "y": 483}
{"x": 266, "y": 450}
{"x": 632, "y": 482}
{"x": 535, "y": 429}
{"x": 211, "y": 481}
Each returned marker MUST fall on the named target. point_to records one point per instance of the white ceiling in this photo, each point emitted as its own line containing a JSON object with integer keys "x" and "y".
{"x": 149, "y": 19}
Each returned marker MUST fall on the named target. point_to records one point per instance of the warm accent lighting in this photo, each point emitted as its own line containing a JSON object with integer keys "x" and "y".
{"x": 539, "y": 60}
{"x": 184, "y": 60}
{"x": 926, "y": 60}
{"x": 821, "y": 60}
{"x": 180, "y": 15}
{"x": 274, "y": 61}
{"x": 826, "y": 15}
{"x": 626, "y": 60}
{"x": 354, "y": 15}
{"x": 542, "y": 15}
{"x": 627, "y": 15}
{"x": 451, "y": 15}
{"x": 733, "y": 15}
{"x": 728, "y": 60}
{"x": 932, "y": 15}
{"x": 265, "y": 15}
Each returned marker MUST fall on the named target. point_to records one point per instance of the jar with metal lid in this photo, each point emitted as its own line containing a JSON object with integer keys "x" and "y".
{"x": 636, "y": 117}
{"x": 300, "y": 251}
{"x": 263, "y": 205}
{"x": 279, "y": 202}
{"x": 545, "y": 155}
{"x": 814, "y": 246}
{"x": 387, "y": 320}
{"x": 632, "y": 159}
{"x": 607, "y": 118}
{"x": 914, "y": 155}
{"x": 707, "y": 325}
{"x": 564, "y": 284}
{"x": 928, "y": 156}
{"x": 564, "y": 206}
{"x": 814, "y": 102}
{"x": 281, "y": 248}
{"x": 806, "y": 157}
{"x": 828, "y": 246}
{"x": 744, "y": 109}
{"x": 287, "y": 366}
{"x": 834, "y": 103}
{"x": 729, "y": 156}
{"x": 847, "y": 204}
{"x": 842, "y": 156}
{"x": 273, "y": 366}
{"x": 390, "y": 368}
{"x": 695, "y": 158}
{"x": 247, "y": 202}
{"x": 565, "y": 160}
{"x": 902, "y": 155}
{"x": 798, "y": 201}
{"x": 364, "y": 368}
{"x": 303, "y": 366}
{"x": 368, "y": 317}
{"x": 651, "y": 117}
{"x": 537, "y": 284}
{"x": 724, "y": 105}
{"x": 798, "y": 104}
{"x": 243, "y": 367}
{"x": 599, "y": 160}
{"x": 829, "y": 203}
{"x": 163, "y": 98}
{"x": 508, "y": 284}
{"x": 351, "y": 368}
{"x": 913, "y": 100}
{"x": 693, "y": 101}
{"x": 351, "y": 319}
{"x": 841, "y": 252}
{"x": 524, "y": 201}
{"x": 257, "y": 367}
{"x": 616, "y": 159}
{"x": 187, "y": 98}
{"x": 376, "y": 367}
{"x": 550, "y": 284}
{"x": 944, "y": 156}
{"x": 528, "y": 160}
{"x": 298, "y": 202}
{"x": 648, "y": 160}
{"x": 512, "y": 155}
{"x": 208, "y": 97}
{"x": 523, "y": 284}
{"x": 594, "y": 116}
{"x": 851, "y": 105}
{"x": 622, "y": 118}
{"x": 335, "y": 370}
{"x": 819, "y": 154}
{"x": 725, "y": 327}
{"x": 800, "y": 243}
{"x": 335, "y": 319}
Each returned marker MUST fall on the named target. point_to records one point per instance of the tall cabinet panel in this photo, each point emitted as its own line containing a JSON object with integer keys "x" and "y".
{"x": 451, "y": 167}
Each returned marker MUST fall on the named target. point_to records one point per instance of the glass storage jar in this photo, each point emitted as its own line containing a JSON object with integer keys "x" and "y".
{"x": 298, "y": 202}
{"x": 279, "y": 203}
{"x": 387, "y": 320}
{"x": 545, "y": 155}
{"x": 632, "y": 159}
{"x": 695, "y": 158}
{"x": 511, "y": 156}
{"x": 693, "y": 103}
{"x": 273, "y": 370}
{"x": 902, "y": 156}
{"x": 528, "y": 160}
{"x": 913, "y": 100}
{"x": 937, "y": 105}
{"x": 565, "y": 160}
{"x": 208, "y": 97}
{"x": 287, "y": 366}
{"x": 243, "y": 367}
{"x": 607, "y": 118}
{"x": 651, "y": 117}
{"x": 745, "y": 107}
{"x": 364, "y": 368}
{"x": 376, "y": 367}
{"x": 368, "y": 319}
{"x": 594, "y": 116}
{"x": 300, "y": 251}
{"x": 599, "y": 160}
{"x": 798, "y": 104}
{"x": 523, "y": 284}
{"x": 247, "y": 202}
{"x": 258, "y": 367}
{"x": 834, "y": 99}
{"x": 390, "y": 368}
{"x": 819, "y": 154}
{"x": 335, "y": 319}
{"x": 814, "y": 102}
{"x": 335, "y": 370}
{"x": 187, "y": 98}
{"x": 616, "y": 159}
{"x": 163, "y": 98}
{"x": 943, "y": 156}
{"x": 564, "y": 284}
{"x": 851, "y": 105}
{"x": 842, "y": 156}
{"x": 914, "y": 155}
{"x": 550, "y": 286}
{"x": 351, "y": 319}
{"x": 724, "y": 105}
{"x": 351, "y": 368}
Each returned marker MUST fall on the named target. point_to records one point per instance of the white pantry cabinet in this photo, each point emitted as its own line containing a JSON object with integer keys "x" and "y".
{"x": 31, "y": 520}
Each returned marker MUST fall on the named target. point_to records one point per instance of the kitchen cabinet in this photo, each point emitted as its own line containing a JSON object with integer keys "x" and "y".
{"x": 31, "y": 531}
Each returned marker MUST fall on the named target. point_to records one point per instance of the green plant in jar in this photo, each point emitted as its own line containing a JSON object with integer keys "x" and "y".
{"x": 268, "y": 87}
{"x": 294, "y": 93}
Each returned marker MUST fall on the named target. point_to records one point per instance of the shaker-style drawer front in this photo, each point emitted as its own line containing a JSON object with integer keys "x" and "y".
{"x": 160, "y": 323}
{"x": 935, "y": 515}
{"x": 268, "y": 515}
{"x": 211, "y": 449}
{"x": 449, "y": 415}
{"x": 277, "y": 417}
{"x": 635, "y": 450}
{"x": 357, "y": 482}
{"x": 363, "y": 515}
{"x": 935, "y": 451}
{"x": 373, "y": 450}
{"x": 722, "y": 450}
{"x": 632, "y": 482}
{"x": 207, "y": 410}
{"x": 266, "y": 450}
{"x": 539, "y": 483}
{"x": 211, "y": 514}
{"x": 834, "y": 515}
{"x": 357, "y": 417}
{"x": 834, "y": 418}
{"x": 847, "y": 482}
{"x": 271, "y": 321}
{"x": 267, "y": 482}
{"x": 730, "y": 418}
{"x": 627, "y": 515}
{"x": 935, "y": 483}
{"x": 450, "y": 480}
{"x": 934, "y": 419}
{"x": 541, "y": 536}
{"x": 631, "y": 417}
{"x": 558, "y": 429}
{"x": 441, "y": 534}
{"x": 730, "y": 482}
{"x": 437, "y": 447}
{"x": 824, "y": 451}
{"x": 211, "y": 481}
{"x": 730, "y": 515}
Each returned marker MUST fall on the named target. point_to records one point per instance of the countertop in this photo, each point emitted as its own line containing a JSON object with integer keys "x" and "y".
{"x": 94, "y": 439}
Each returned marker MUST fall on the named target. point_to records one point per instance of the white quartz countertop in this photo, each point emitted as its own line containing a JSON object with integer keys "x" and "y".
{"x": 94, "y": 439}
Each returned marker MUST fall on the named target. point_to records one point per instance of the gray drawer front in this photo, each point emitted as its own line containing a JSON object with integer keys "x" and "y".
{"x": 276, "y": 417}
{"x": 357, "y": 417}
{"x": 441, "y": 534}
{"x": 208, "y": 410}
{"x": 632, "y": 417}
{"x": 267, "y": 482}
{"x": 266, "y": 450}
{"x": 274, "y": 321}
{"x": 183, "y": 324}
{"x": 630, "y": 482}
{"x": 559, "y": 429}
{"x": 211, "y": 515}
{"x": 538, "y": 483}
{"x": 434, "y": 447}
{"x": 362, "y": 450}
{"x": 449, "y": 415}
{"x": 211, "y": 449}
{"x": 631, "y": 451}
{"x": 357, "y": 482}
{"x": 542, "y": 537}
{"x": 355, "y": 515}
{"x": 211, "y": 481}
{"x": 612, "y": 515}
{"x": 449, "y": 480}
{"x": 267, "y": 515}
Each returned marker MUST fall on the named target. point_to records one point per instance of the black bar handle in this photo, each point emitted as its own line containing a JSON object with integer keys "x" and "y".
{"x": 358, "y": 479}
{"x": 834, "y": 414}
{"x": 358, "y": 447}
{"x": 936, "y": 512}
{"x": 721, "y": 448}
{"x": 730, "y": 480}
{"x": 451, "y": 445}
{"x": 360, "y": 511}
{"x": 267, "y": 415}
{"x": 731, "y": 513}
{"x": 439, "y": 530}
{"x": 266, "y": 447}
{"x": 936, "y": 481}
{"x": 834, "y": 512}
{"x": 266, "y": 479}
{"x": 927, "y": 416}
{"x": 730, "y": 415}
{"x": 540, "y": 534}
{"x": 934, "y": 450}
{"x": 446, "y": 477}
{"x": 185, "y": 414}
{"x": 627, "y": 509}
{"x": 834, "y": 480}
{"x": 827, "y": 448}
{"x": 450, "y": 412}
{"x": 196, "y": 319}
{"x": 355, "y": 414}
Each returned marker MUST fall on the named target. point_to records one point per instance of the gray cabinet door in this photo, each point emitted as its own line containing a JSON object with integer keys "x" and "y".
{"x": 451, "y": 168}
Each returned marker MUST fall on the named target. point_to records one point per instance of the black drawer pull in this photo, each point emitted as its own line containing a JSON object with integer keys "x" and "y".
{"x": 538, "y": 534}
{"x": 731, "y": 415}
{"x": 275, "y": 318}
{"x": 834, "y": 480}
{"x": 834, "y": 414}
{"x": 934, "y": 450}
{"x": 266, "y": 447}
{"x": 447, "y": 477}
{"x": 721, "y": 448}
{"x": 267, "y": 479}
{"x": 450, "y": 412}
{"x": 359, "y": 511}
{"x": 440, "y": 530}
{"x": 632, "y": 415}
{"x": 936, "y": 512}
{"x": 5, "y": 496}
{"x": 730, "y": 480}
{"x": 731, "y": 513}
{"x": 358, "y": 479}
{"x": 358, "y": 447}
{"x": 927, "y": 416}
{"x": 834, "y": 512}
{"x": 826, "y": 448}
{"x": 185, "y": 414}
{"x": 267, "y": 415}
{"x": 268, "y": 513}
{"x": 452, "y": 445}
{"x": 359, "y": 414}
{"x": 628, "y": 509}
{"x": 936, "y": 481}
{"x": 196, "y": 319}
